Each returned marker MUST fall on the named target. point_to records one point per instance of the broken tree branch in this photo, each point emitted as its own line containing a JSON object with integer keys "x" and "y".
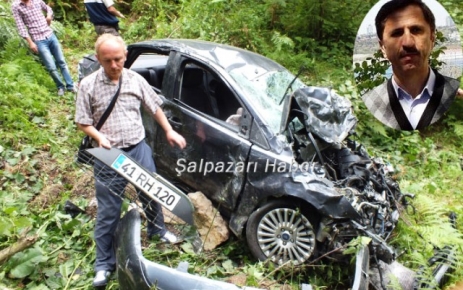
{"x": 23, "y": 242}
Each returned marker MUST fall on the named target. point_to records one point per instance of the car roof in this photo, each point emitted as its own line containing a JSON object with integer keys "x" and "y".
{"x": 223, "y": 55}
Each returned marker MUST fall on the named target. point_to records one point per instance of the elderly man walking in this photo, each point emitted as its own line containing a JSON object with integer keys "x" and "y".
{"x": 124, "y": 130}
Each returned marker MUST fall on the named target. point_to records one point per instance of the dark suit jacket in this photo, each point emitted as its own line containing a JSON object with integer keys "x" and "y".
{"x": 377, "y": 101}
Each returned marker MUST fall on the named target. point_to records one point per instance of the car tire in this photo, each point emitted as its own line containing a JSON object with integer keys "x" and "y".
{"x": 283, "y": 232}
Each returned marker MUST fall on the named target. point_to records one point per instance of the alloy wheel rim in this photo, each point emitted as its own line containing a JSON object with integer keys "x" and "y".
{"x": 286, "y": 235}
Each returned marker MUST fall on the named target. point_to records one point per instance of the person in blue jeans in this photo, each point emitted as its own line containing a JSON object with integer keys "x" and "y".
{"x": 33, "y": 19}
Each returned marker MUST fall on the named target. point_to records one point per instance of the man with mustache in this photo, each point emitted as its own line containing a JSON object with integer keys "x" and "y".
{"x": 416, "y": 95}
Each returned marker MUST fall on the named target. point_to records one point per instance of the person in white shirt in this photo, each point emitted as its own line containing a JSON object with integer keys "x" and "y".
{"x": 416, "y": 95}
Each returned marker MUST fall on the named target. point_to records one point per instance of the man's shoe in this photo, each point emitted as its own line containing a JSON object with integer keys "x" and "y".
{"x": 73, "y": 90}
{"x": 170, "y": 238}
{"x": 101, "y": 278}
{"x": 60, "y": 92}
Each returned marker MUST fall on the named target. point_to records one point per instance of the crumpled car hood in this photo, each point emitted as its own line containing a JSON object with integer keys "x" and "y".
{"x": 327, "y": 115}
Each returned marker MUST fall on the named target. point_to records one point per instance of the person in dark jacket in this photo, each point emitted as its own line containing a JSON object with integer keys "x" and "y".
{"x": 416, "y": 95}
{"x": 103, "y": 15}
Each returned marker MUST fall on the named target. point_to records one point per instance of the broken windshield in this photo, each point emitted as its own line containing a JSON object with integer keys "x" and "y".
{"x": 264, "y": 89}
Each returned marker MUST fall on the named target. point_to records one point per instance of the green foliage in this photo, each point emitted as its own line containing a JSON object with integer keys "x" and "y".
{"x": 425, "y": 232}
{"x": 371, "y": 72}
{"x": 154, "y": 19}
{"x": 356, "y": 244}
{"x": 454, "y": 117}
{"x": 64, "y": 242}
{"x": 13, "y": 216}
{"x": 231, "y": 22}
{"x": 281, "y": 27}
{"x": 438, "y": 50}
{"x": 19, "y": 81}
{"x": 323, "y": 28}
{"x": 7, "y": 28}
{"x": 24, "y": 263}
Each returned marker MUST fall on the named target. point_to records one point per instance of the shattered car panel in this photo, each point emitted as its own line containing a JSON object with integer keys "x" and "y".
{"x": 326, "y": 114}
{"x": 136, "y": 272}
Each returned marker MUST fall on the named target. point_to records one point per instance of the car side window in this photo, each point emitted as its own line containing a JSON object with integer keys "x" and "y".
{"x": 201, "y": 90}
{"x": 151, "y": 67}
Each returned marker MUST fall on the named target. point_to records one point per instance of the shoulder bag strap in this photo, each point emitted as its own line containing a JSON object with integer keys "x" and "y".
{"x": 110, "y": 107}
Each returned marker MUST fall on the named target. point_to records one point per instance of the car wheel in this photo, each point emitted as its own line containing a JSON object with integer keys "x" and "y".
{"x": 280, "y": 231}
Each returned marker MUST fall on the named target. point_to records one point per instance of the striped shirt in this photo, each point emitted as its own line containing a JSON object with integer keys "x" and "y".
{"x": 124, "y": 126}
{"x": 30, "y": 19}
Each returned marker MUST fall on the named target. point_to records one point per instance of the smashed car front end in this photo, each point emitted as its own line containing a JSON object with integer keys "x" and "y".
{"x": 319, "y": 124}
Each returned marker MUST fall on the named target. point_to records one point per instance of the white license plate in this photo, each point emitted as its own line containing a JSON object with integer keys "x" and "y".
{"x": 145, "y": 182}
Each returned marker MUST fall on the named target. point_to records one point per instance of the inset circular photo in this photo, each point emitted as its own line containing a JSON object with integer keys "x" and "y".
{"x": 408, "y": 62}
